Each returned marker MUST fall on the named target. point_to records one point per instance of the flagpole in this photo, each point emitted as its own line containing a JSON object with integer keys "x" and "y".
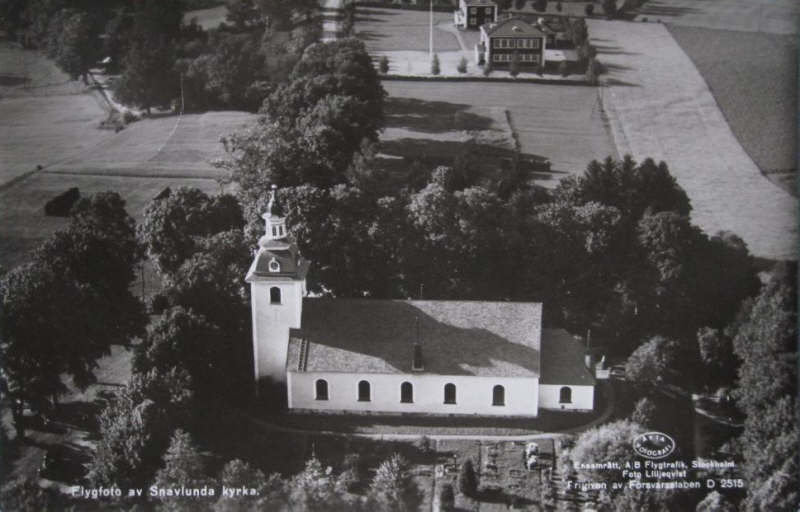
{"x": 430, "y": 40}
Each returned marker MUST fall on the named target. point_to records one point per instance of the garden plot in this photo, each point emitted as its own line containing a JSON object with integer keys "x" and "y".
{"x": 562, "y": 123}
{"x": 753, "y": 77}
{"x": 660, "y": 107}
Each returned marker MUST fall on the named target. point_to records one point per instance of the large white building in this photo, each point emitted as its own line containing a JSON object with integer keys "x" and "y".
{"x": 404, "y": 356}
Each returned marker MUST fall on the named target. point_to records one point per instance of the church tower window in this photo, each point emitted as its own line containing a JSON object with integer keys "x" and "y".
{"x": 499, "y": 395}
{"x": 274, "y": 295}
{"x": 406, "y": 393}
{"x": 322, "y": 389}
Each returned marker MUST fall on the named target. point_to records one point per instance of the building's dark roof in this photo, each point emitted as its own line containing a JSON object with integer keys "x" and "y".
{"x": 563, "y": 359}
{"x": 287, "y": 256}
{"x": 512, "y": 27}
{"x": 457, "y": 337}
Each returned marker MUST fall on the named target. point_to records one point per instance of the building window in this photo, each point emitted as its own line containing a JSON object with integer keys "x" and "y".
{"x": 565, "y": 395}
{"x": 496, "y": 43}
{"x": 406, "y": 393}
{"x": 449, "y": 393}
{"x": 322, "y": 389}
{"x": 488, "y": 10}
{"x": 473, "y": 10}
{"x": 473, "y": 21}
{"x": 535, "y": 59}
{"x": 274, "y": 295}
{"x": 535, "y": 43}
{"x": 498, "y": 395}
{"x": 363, "y": 391}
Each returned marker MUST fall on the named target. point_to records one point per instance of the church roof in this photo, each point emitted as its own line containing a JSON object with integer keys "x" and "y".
{"x": 457, "y": 337}
{"x": 563, "y": 360}
{"x": 290, "y": 263}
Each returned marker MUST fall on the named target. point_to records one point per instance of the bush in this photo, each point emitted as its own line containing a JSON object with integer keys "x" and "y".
{"x": 589, "y": 9}
{"x": 520, "y": 4}
{"x": 563, "y": 68}
{"x": 467, "y": 479}
{"x": 559, "y": 6}
{"x": 540, "y": 5}
{"x": 462, "y": 65}
{"x": 487, "y": 69}
{"x": 383, "y": 65}
{"x": 447, "y": 498}
{"x": 435, "y": 69}
{"x": 60, "y": 205}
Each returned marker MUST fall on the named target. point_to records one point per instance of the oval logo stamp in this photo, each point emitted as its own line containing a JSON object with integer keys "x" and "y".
{"x": 653, "y": 445}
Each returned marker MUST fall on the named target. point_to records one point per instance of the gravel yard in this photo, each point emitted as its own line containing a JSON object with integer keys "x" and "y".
{"x": 660, "y": 107}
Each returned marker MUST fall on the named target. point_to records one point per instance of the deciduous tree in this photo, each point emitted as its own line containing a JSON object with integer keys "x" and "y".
{"x": 392, "y": 489}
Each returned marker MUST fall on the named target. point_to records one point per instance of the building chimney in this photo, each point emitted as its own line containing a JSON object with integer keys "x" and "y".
{"x": 417, "y": 364}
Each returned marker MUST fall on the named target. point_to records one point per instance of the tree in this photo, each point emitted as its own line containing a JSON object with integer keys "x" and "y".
{"x": 520, "y": 4}
{"x": 649, "y": 364}
{"x": 392, "y": 488}
{"x": 716, "y": 352}
{"x": 645, "y": 413}
{"x": 135, "y": 428}
{"x": 183, "y": 467}
{"x": 317, "y": 489}
{"x": 635, "y": 500}
{"x": 611, "y": 442}
{"x": 180, "y": 338}
{"x": 242, "y": 13}
{"x": 64, "y": 309}
{"x": 238, "y": 473}
{"x": 766, "y": 342}
{"x": 175, "y": 226}
{"x": 383, "y": 64}
{"x": 467, "y": 479}
{"x": 447, "y": 498}
{"x": 435, "y": 69}
{"x": 715, "y": 502}
{"x": 278, "y": 13}
{"x": 148, "y": 79}
{"x": 540, "y": 5}
{"x": 589, "y": 9}
{"x": 76, "y": 49}
{"x": 312, "y": 126}
{"x": 610, "y": 8}
{"x": 462, "y": 65}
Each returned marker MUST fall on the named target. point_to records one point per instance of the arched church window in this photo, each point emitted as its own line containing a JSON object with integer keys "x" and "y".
{"x": 274, "y": 295}
{"x": 499, "y": 395}
{"x": 449, "y": 393}
{"x": 363, "y": 391}
{"x": 406, "y": 393}
{"x": 322, "y": 389}
{"x": 565, "y": 395}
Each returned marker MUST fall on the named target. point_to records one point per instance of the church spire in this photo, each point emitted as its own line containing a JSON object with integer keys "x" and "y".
{"x": 274, "y": 219}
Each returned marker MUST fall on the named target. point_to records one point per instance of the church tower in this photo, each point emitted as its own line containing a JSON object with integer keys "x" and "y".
{"x": 277, "y": 280}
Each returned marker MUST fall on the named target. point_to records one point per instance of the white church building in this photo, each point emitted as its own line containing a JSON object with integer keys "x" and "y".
{"x": 404, "y": 356}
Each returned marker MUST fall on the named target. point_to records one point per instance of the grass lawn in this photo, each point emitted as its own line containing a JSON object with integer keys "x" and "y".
{"x": 562, "y": 123}
{"x": 753, "y": 77}
{"x": 771, "y": 16}
{"x": 397, "y": 29}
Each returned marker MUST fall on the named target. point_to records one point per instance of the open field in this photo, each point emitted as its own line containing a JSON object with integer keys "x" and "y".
{"x": 771, "y": 16}
{"x": 207, "y": 18}
{"x": 753, "y": 77}
{"x": 23, "y": 224}
{"x": 660, "y": 107}
{"x": 44, "y": 116}
{"x": 560, "y": 122}
{"x": 397, "y": 29}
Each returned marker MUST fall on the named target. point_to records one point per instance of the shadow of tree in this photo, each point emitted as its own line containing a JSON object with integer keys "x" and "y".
{"x": 432, "y": 116}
